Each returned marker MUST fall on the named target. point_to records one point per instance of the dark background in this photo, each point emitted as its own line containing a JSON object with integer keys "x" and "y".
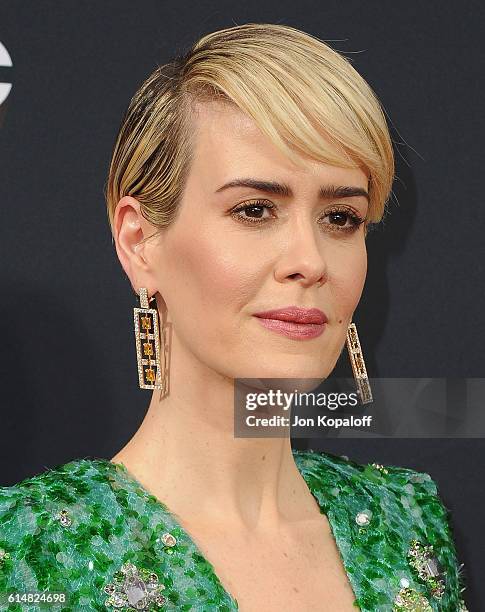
{"x": 68, "y": 359}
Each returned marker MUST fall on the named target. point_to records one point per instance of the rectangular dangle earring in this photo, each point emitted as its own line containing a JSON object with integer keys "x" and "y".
{"x": 148, "y": 348}
{"x": 358, "y": 365}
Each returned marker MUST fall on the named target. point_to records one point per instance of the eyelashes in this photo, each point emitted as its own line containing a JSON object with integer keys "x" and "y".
{"x": 339, "y": 214}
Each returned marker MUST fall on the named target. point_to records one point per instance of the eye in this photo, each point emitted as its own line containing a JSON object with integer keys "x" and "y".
{"x": 342, "y": 219}
{"x": 253, "y": 212}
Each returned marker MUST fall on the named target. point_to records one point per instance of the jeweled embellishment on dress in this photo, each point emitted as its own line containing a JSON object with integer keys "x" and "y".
{"x": 168, "y": 539}
{"x": 134, "y": 589}
{"x": 411, "y": 600}
{"x": 362, "y": 519}
{"x": 427, "y": 566}
{"x": 380, "y": 467}
{"x": 63, "y": 517}
{"x": 3, "y": 555}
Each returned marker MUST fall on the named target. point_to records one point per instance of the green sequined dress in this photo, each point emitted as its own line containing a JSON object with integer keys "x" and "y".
{"x": 87, "y": 536}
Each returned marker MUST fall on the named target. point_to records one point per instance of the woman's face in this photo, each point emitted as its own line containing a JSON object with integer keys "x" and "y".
{"x": 215, "y": 267}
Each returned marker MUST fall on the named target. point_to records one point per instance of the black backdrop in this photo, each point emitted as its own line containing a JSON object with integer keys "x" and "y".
{"x": 69, "y": 386}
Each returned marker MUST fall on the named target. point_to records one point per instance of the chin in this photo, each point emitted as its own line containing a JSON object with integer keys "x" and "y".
{"x": 284, "y": 378}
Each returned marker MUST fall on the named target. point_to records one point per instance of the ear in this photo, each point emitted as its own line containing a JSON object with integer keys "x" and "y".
{"x": 130, "y": 228}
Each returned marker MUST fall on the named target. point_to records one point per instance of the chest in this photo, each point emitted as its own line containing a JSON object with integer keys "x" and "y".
{"x": 295, "y": 569}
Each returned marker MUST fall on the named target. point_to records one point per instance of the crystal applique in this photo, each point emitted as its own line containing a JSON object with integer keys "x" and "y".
{"x": 380, "y": 467}
{"x": 362, "y": 519}
{"x": 427, "y": 567}
{"x": 134, "y": 588}
{"x": 411, "y": 600}
{"x": 63, "y": 517}
{"x": 168, "y": 539}
{"x": 462, "y": 607}
{"x": 3, "y": 555}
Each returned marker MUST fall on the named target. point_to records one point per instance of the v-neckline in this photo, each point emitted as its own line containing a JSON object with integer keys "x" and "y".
{"x": 175, "y": 521}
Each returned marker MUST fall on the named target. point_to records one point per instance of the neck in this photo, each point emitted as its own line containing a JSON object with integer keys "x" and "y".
{"x": 186, "y": 455}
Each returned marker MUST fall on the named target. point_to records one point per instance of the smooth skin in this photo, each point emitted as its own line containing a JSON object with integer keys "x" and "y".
{"x": 243, "y": 500}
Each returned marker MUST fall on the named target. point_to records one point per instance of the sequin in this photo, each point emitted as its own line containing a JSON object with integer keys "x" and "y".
{"x": 427, "y": 567}
{"x": 135, "y": 588}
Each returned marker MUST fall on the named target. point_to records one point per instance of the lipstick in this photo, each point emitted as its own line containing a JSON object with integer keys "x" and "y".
{"x": 294, "y": 322}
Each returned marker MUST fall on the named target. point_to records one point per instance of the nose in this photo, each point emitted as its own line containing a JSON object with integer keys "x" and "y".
{"x": 302, "y": 260}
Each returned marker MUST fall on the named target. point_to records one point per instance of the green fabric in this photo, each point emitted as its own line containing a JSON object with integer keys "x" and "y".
{"x": 114, "y": 520}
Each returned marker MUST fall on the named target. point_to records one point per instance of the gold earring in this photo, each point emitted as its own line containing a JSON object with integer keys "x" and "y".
{"x": 148, "y": 341}
{"x": 358, "y": 365}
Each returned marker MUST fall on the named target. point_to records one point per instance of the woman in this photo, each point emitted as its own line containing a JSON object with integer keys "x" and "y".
{"x": 244, "y": 179}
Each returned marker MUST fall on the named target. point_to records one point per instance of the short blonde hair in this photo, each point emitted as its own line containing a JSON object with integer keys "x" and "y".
{"x": 293, "y": 85}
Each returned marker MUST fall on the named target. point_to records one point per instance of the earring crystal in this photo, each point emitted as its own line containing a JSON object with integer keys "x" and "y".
{"x": 149, "y": 346}
{"x": 358, "y": 365}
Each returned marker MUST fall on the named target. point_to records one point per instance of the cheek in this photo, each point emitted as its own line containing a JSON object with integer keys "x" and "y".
{"x": 348, "y": 274}
{"x": 205, "y": 276}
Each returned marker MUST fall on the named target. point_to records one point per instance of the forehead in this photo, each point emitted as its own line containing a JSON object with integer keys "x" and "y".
{"x": 229, "y": 144}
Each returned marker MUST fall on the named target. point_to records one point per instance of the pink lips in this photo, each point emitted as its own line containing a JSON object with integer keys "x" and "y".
{"x": 294, "y": 322}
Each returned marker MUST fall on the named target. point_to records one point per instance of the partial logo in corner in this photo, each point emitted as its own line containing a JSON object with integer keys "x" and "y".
{"x": 5, "y": 61}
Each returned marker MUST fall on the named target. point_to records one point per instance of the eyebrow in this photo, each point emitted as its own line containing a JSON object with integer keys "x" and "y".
{"x": 325, "y": 192}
